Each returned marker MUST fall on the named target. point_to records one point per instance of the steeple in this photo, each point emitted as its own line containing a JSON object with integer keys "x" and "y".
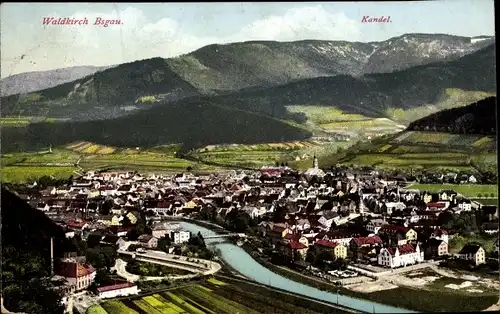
{"x": 315, "y": 163}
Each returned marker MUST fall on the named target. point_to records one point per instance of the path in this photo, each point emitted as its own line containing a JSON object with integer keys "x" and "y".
{"x": 121, "y": 271}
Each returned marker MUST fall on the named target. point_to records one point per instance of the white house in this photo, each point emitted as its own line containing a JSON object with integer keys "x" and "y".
{"x": 123, "y": 289}
{"x": 403, "y": 255}
{"x": 440, "y": 234}
{"x": 179, "y": 237}
{"x": 465, "y": 206}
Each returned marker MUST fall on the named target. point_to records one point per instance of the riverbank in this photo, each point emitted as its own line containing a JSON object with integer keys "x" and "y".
{"x": 400, "y": 296}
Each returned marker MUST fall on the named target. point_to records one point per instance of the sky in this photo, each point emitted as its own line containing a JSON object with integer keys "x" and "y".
{"x": 166, "y": 30}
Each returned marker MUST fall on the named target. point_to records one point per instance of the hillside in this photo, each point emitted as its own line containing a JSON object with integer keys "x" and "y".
{"x": 224, "y": 68}
{"x": 33, "y": 81}
{"x": 26, "y": 234}
{"x": 477, "y": 118}
{"x": 377, "y": 95}
{"x": 464, "y": 141}
{"x": 109, "y": 93}
{"x": 194, "y": 122}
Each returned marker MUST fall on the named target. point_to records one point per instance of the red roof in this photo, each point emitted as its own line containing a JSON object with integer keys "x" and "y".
{"x": 115, "y": 287}
{"x": 367, "y": 240}
{"x": 76, "y": 224}
{"x": 326, "y": 243}
{"x": 235, "y": 188}
{"x": 74, "y": 270}
{"x": 291, "y": 236}
{"x": 393, "y": 228}
{"x": 296, "y": 245}
{"x": 406, "y": 249}
{"x": 436, "y": 205}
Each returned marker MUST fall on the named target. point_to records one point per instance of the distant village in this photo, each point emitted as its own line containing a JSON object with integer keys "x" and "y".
{"x": 363, "y": 217}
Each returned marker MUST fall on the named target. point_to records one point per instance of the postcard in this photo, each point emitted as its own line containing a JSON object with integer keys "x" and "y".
{"x": 305, "y": 157}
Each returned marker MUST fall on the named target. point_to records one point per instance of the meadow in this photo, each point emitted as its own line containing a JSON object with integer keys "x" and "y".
{"x": 212, "y": 297}
{"x": 468, "y": 190}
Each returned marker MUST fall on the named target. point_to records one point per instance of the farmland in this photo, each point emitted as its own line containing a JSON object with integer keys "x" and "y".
{"x": 426, "y": 150}
{"x": 212, "y": 296}
{"x": 326, "y": 119}
{"x": 468, "y": 190}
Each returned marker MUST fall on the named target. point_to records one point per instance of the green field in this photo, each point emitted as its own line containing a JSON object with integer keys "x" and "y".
{"x": 468, "y": 190}
{"x": 458, "y": 242}
{"x": 211, "y": 297}
{"x": 327, "y": 119}
{"x": 425, "y": 150}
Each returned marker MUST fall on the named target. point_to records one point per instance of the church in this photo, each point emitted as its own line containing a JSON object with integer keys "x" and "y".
{"x": 314, "y": 171}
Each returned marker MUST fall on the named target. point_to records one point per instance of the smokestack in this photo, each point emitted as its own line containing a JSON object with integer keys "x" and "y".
{"x": 51, "y": 256}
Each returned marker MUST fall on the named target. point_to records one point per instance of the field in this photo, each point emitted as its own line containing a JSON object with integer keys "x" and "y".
{"x": 327, "y": 119}
{"x": 426, "y": 150}
{"x": 470, "y": 190}
{"x": 253, "y": 156}
{"x": 61, "y": 162}
{"x": 212, "y": 297}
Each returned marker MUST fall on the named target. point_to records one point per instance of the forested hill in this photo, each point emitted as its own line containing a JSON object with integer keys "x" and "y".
{"x": 26, "y": 234}
{"x": 476, "y": 118}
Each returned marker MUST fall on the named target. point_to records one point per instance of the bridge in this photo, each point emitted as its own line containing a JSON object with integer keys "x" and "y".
{"x": 227, "y": 235}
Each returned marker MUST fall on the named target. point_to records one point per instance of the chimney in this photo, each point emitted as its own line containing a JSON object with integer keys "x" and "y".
{"x": 51, "y": 256}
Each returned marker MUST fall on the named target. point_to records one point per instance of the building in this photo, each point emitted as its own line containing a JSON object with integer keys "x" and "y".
{"x": 402, "y": 255}
{"x": 293, "y": 251}
{"x": 314, "y": 171}
{"x": 436, "y": 247}
{"x": 473, "y": 253}
{"x": 159, "y": 230}
{"x": 118, "y": 290}
{"x": 148, "y": 241}
{"x": 76, "y": 273}
{"x": 179, "y": 237}
{"x": 440, "y": 234}
{"x": 338, "y": 250}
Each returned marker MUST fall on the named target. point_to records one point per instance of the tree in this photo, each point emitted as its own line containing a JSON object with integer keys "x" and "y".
{"x": 189, "y": 169}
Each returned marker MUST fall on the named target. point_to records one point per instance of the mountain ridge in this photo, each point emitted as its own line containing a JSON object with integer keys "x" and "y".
{"x": 214, "y": 69}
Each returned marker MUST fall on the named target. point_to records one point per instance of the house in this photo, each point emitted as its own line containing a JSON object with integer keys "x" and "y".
{"x": 161, "y": 229}
{"x": 118, "y": 290}
{"x": 289, "y": 237}
{"x": 472, "y": 252}
{"x": 465, "y": 205}
{"x": 436, "y": 247}
{"x": 397, "y": 233}
{"x": 131, "y": 217}
{"x": 293, "y": 251}
{"x": 76, "y": 273}
{"x": 472, "y": 179}
{"x": 179, "y": 237}
{"x": 440, "y": 234}
{"x": 148, "y": 241}
{"x": 402, "y": 255}
{"x": 338, "y": 250}
{"x": 358, "y": 243}
{"x": 447, "y": 195}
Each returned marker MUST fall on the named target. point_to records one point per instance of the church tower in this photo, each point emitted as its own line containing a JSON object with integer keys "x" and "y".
{"x": 315, "y": 163}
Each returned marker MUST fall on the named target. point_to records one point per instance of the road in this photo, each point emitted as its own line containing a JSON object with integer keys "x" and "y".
{"x": 395, "y": 271}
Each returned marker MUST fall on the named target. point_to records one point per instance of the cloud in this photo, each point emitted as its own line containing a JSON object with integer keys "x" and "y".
{"x": 56, "y": 46}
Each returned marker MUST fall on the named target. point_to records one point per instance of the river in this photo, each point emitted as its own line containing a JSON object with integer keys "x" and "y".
{"x": 242, "y": 262}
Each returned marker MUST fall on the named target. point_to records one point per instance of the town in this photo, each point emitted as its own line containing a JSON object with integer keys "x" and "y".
{"x": 358, "y": 229}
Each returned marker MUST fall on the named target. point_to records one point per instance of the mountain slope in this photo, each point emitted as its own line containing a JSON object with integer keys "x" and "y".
{"x": 26, "y": 234}
{"x": 34, "y": 81}
{"x": 375, "y": 95}
{"x": 108, "y": 93}
{"x": 224, "y": 68}
{"x": 477, "y": 118}
{"x": 193, "y": 122}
